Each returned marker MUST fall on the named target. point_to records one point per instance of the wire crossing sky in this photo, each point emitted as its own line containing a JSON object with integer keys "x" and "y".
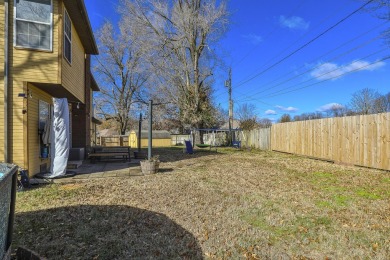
{"x": 291, "y": 56}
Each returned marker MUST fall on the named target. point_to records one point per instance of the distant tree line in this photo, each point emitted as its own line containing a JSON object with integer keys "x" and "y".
{"x": 248, "y": 119}
{"x": 363, "y": 102}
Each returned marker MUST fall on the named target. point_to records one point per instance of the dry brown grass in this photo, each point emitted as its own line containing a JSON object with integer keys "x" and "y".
{"x": 231, "y": 204}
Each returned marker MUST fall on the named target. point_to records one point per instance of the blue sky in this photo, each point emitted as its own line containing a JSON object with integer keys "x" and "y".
{"x": 263, "y": 33}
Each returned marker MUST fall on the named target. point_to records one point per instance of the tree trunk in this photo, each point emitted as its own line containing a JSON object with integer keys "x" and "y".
{"x": 201, "y": 133}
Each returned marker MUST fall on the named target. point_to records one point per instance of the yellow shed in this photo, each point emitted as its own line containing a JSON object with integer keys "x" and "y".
{"x": 159, "y": 138}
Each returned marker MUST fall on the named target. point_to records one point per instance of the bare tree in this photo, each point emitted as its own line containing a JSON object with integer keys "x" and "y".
{"x": 246, "y": 116}
{"x": 387, "y": 96}
{"x": 363, "y": 101}
{"x": 285, "y": 118}
{"x": 245, "y": 111}
{"x": 336, "y": 110}
{"x": 221, "y": 116}
{"x": 382, "y": 104}
{"x": 264, "y": 123}
{"x": 180, "y": 35}
{"x": 121, "y": 71}
{"x": 380, "y": 9}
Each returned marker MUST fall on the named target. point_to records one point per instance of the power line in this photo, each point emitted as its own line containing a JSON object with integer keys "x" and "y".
{"x": 321, "y": 56}
{"x": 221, "y": 91}
{"x": 348, "y": 72}
{"x": 327, "y": 79}
{"x": 324, "y": 74}
{"x": 306, "y": 44}
{"x": 331, "y": 78}
{"x": 292, "y": 44}
{"x": 258, "y": 100}
{"x": 319, "y": 65}
{"x": 275, "y": 28}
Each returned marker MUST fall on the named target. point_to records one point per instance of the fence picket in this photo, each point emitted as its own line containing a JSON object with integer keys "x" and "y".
{"x": 361, "y": 140}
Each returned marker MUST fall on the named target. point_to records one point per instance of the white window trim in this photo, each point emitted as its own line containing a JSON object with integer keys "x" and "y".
{"x": 67, "y": 37}
{"x": 51, "y": 29}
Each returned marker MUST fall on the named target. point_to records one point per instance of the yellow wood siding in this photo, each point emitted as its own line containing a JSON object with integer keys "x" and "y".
{"x": 34, "y": 160}
{"x": 28, "y": 66}
{"x": 156, "y": 143}
{"x": 133, "y": 141}
{"x": 1, "y": 80}
{"x": 73, "y": 75}
{"x": 34, "y": 65}
{"x": 92, "y": 125}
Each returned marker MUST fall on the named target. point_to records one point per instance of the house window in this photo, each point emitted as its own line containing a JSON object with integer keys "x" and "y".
{"x": 33, "y": 24}
{"x": 67, "y": 38}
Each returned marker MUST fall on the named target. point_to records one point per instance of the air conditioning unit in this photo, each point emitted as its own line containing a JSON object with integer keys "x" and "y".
{"x": 8, "y": 179}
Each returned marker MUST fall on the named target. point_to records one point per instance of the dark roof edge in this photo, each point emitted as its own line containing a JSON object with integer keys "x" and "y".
{"x": 93, "y": 41}
{"x": 94, "y": 85}
{"x": 83, "y": 27}
{"x": 96, "y": 121}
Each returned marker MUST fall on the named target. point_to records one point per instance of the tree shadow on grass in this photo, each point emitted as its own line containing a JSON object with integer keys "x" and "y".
{"x": 104, "y": 232}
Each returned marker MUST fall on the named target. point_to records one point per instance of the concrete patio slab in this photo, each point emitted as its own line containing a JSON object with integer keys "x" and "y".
{"x": 90, "y": 171}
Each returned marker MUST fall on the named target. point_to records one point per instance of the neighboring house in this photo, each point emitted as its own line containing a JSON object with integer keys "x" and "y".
{"x": 236, "y": 125}
{"x": 46, "y": 53}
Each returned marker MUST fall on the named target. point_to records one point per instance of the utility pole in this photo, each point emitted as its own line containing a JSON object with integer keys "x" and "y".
{"x": 228, "y": 84}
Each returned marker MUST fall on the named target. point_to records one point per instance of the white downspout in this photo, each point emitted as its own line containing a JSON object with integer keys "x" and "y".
{"x": 6, "y": 85}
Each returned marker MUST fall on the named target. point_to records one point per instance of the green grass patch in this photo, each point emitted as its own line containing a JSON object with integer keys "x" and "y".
{"x": 311, "y": 222}
{"x": 257, "y": 219}
{"x": 324, "y": 204}
{"x": 385, "y": 180}
{"x": 323, "y": 175}
{"x": 300, "y": 227}
{"x": 334, "y": 189}
{"x": 44, "y": 195}
{"x": 322, "y": 179}
{"x": 336, "y": 201}
{"x": 341, "y": 200}
{"x": 364, "y": 193}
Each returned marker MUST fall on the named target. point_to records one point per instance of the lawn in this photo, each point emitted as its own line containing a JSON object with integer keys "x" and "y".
{"x": 230, "y": 204}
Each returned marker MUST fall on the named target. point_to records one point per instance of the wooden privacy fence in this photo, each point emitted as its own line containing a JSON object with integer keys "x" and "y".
{"x": 258, "y": 138}
{"x": 118, "y": 140}
{"x": 361, "y": 140}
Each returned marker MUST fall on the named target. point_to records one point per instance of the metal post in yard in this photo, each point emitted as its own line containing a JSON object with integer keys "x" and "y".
{"x": 139, "y": 132}
{"x": 150, "y": 130}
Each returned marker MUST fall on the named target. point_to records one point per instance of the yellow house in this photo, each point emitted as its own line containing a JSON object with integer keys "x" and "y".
{"x": 159, "y": 139}
{"x": 45, "y": 48}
